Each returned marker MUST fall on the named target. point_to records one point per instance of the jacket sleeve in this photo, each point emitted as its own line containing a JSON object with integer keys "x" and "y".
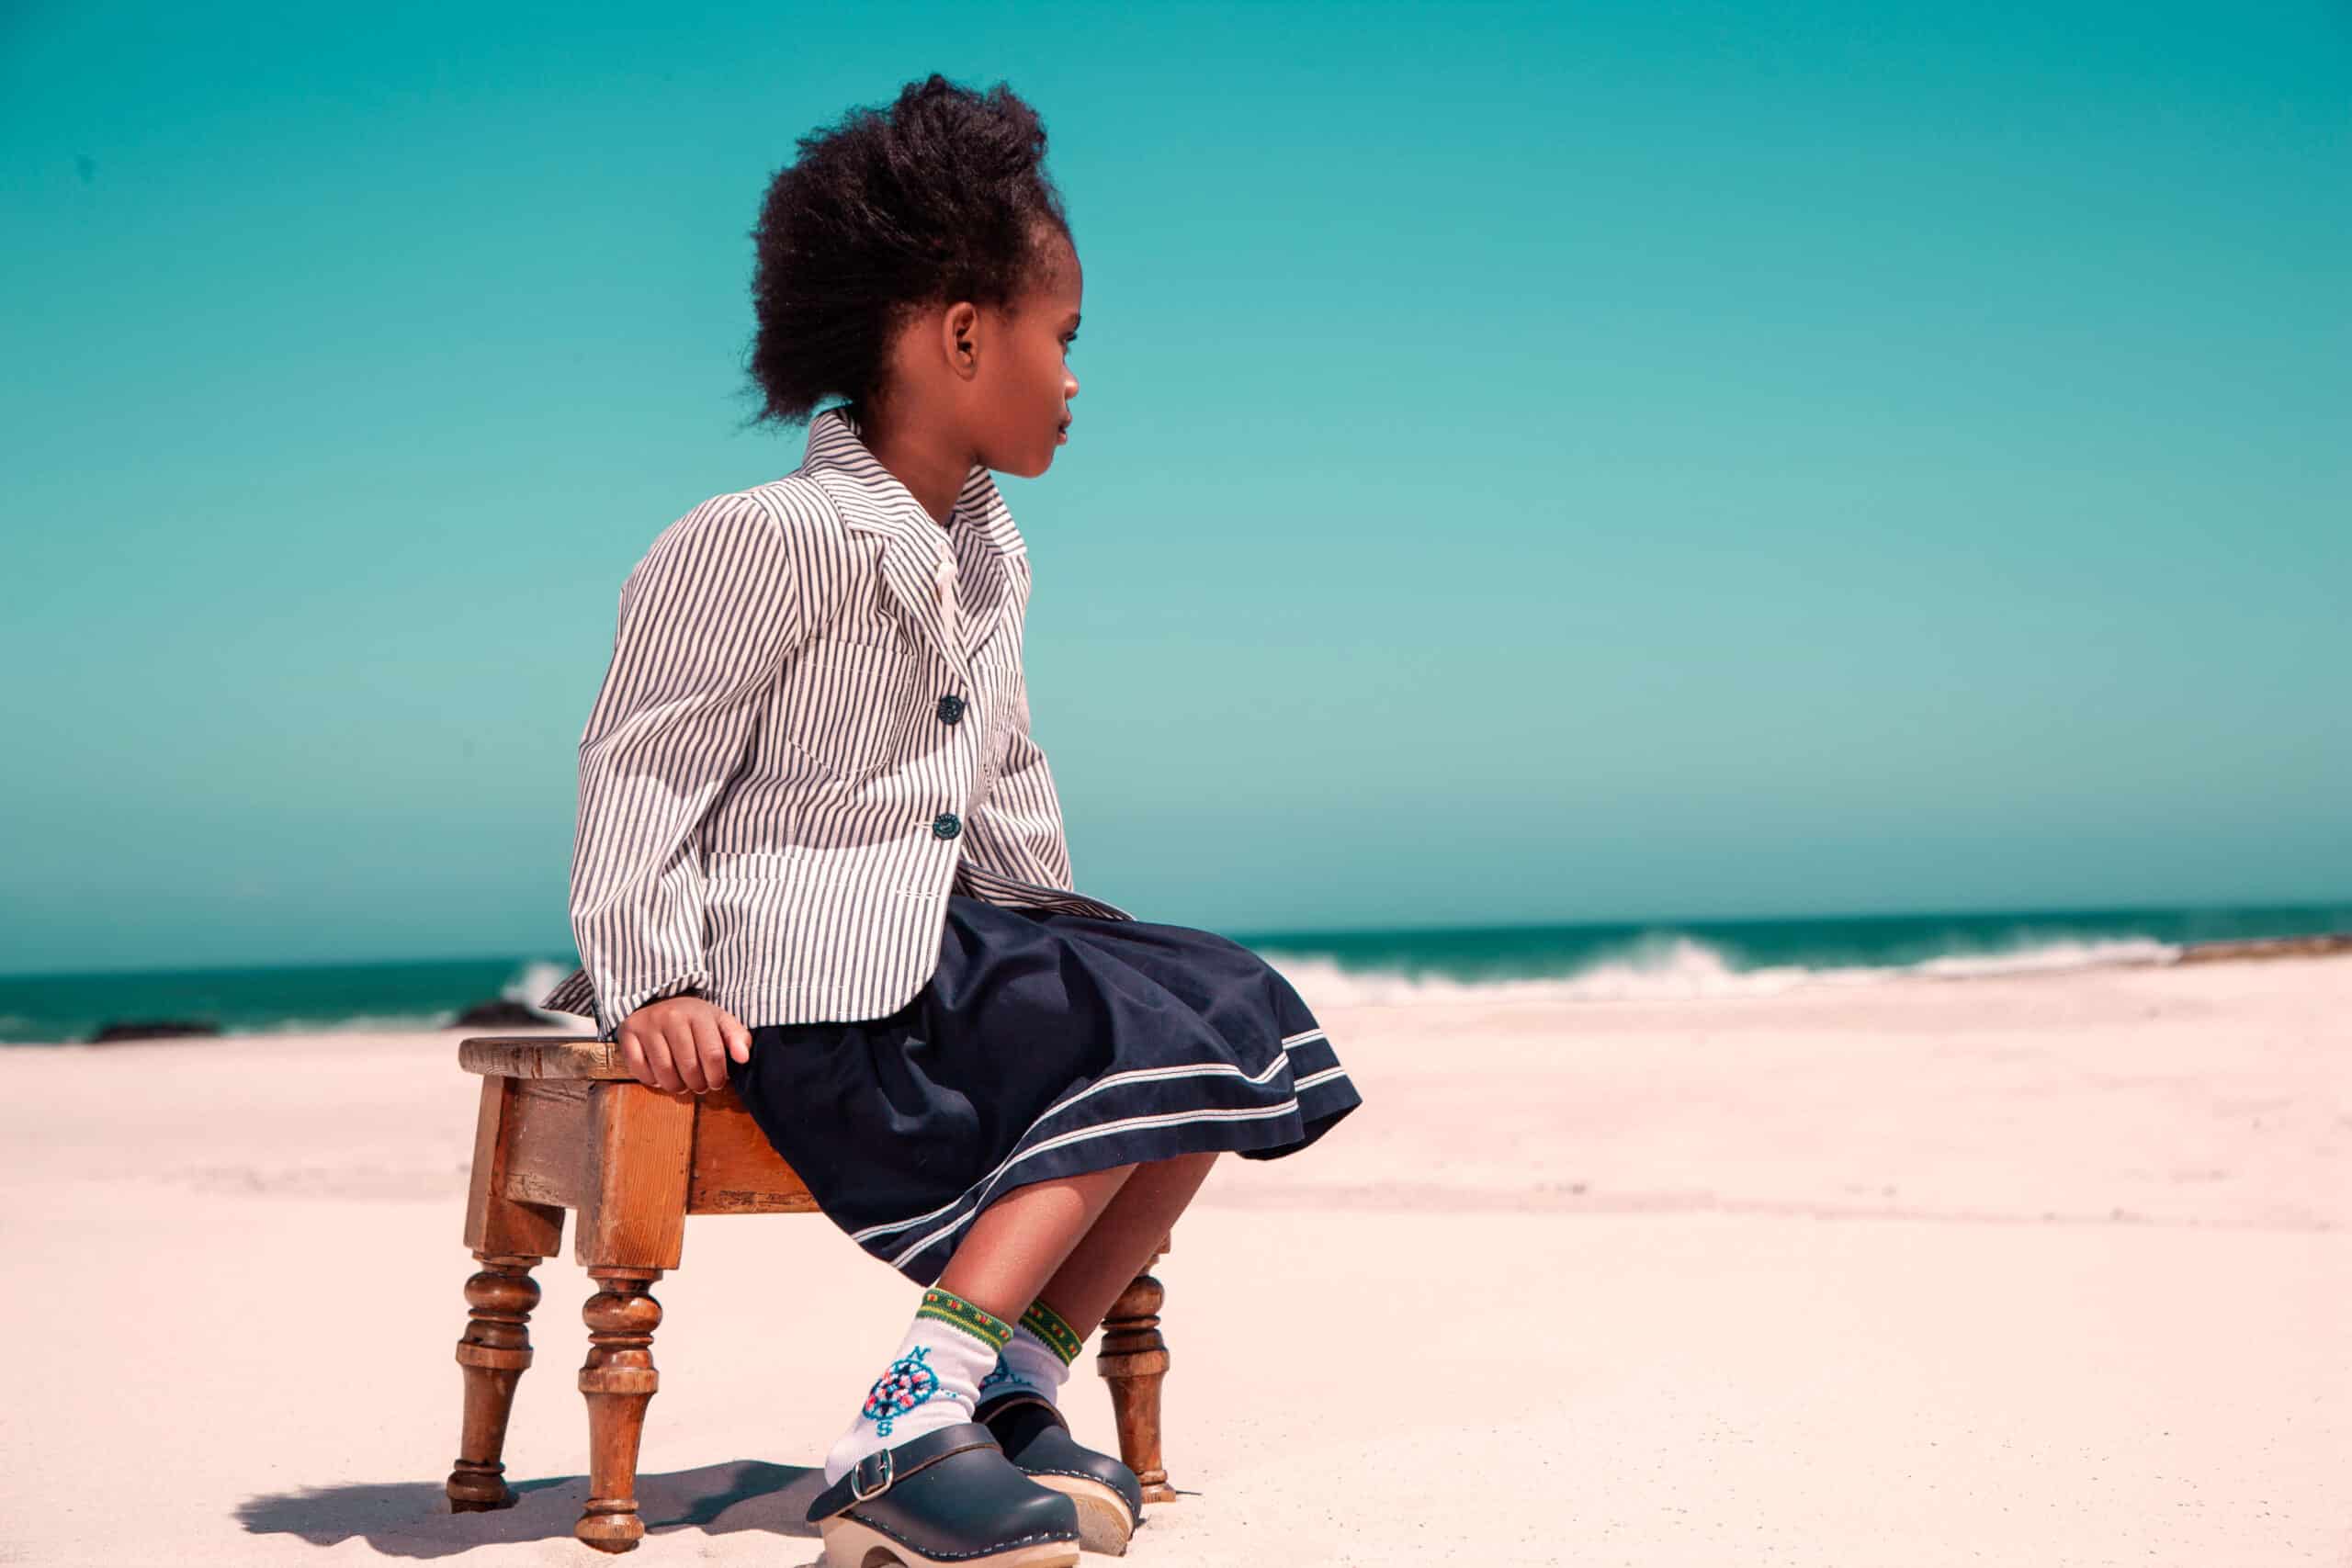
{"x": 707, "y": 620}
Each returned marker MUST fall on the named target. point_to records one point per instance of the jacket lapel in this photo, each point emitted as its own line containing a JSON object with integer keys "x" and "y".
{"x": 870, "y": 502}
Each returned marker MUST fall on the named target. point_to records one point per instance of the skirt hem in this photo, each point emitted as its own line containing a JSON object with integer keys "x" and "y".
{"x": 1290, "y": 1135}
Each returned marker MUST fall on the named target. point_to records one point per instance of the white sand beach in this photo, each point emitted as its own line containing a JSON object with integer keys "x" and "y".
{"x": 2036, "y": 1270}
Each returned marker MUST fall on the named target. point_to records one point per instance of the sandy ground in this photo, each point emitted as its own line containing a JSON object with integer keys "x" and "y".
{"x": 2037, "y": 1270}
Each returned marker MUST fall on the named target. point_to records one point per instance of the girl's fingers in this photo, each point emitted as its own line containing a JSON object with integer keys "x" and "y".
{"x": 687, "y": 1051}
{"x": 710, "y": 1053}
{"x": 683, "y": 1056}
{"x": 658, "y": 1057}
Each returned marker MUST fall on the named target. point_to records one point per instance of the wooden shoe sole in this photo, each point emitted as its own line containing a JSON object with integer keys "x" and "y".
{"x": 849, "y": 1544}
{"x": 1104, "y": 1522}
{"x": 946, "y": 1499}
{"x": 1037, "y": 1439}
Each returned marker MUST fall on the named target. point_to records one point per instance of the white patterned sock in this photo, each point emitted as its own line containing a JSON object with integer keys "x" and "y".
{"x": 1038, "y": 1356}
{"x": 933, "y": 1382}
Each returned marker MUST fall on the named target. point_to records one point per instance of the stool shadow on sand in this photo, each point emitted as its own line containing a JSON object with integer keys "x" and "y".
{"x": 564, "y": 1126}
{"x": 413, "y": 1519}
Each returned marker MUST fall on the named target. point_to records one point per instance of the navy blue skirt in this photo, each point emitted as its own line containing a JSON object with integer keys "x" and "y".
{"x": 1045, "y": 1045}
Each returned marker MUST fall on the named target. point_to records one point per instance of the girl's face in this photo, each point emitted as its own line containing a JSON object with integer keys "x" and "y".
{"x": 1022, "y": 406}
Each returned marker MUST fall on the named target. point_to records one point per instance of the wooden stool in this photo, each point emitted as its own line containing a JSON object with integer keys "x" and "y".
{"x": 563, "y": 1126}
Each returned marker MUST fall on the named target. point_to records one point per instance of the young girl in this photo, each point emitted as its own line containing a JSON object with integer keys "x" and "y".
{"x": 819, "y": 854}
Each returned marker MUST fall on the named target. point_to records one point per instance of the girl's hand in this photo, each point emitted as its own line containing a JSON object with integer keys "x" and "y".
{"x": 681, "y": 1044}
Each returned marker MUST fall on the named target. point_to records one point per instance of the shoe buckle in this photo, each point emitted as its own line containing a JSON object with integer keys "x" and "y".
{"x": 857, "y": 1491}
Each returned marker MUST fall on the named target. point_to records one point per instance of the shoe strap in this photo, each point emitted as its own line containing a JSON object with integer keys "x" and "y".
{"x": 884, "y": 1468}
{"x": 1015, "y": 1401}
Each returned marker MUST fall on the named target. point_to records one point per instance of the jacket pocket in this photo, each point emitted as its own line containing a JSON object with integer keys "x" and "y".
{"x": 845, "y": 702}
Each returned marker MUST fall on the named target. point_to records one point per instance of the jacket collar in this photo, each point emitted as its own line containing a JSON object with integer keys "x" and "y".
{"x": 836, "y": 441}
{"x": 871, "y": 500}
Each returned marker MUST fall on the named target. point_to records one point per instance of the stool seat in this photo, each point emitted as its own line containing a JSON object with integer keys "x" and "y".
{"x": 562, "y": 1125}
{"x": 555, "y": 1086}
{"x": 537, "y": 1056}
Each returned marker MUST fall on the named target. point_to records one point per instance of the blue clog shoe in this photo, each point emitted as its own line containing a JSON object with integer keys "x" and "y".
{"x": 1038, "y": 1440}
{"x": 947, "y": 1499}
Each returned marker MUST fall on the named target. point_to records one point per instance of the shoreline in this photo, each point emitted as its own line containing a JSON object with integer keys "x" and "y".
{"x": 1850, "y": 979}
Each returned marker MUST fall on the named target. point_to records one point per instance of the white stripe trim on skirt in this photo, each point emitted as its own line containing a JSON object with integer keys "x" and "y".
{"x": 1138, "y": 1074}
{"x": 1165, "y": 1119}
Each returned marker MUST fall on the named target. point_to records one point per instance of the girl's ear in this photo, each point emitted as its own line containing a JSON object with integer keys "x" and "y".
{"x": 960, "y": 335}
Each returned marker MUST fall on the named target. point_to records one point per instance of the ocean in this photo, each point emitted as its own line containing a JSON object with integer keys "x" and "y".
{"x": 1555, "y": 963}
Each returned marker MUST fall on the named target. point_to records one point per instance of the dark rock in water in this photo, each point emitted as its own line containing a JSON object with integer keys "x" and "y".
{"x": 500, "y": 1014}
{"x": 2315, "y": 946}
{"x": 152, "y": 1029}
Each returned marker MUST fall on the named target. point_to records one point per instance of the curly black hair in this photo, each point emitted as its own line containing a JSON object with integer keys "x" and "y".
{"x": 943, "y": 196}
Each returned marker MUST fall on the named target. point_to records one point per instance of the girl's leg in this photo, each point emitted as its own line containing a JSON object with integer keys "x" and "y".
{"x": 967, "y": 1318}
{"x": 1077, "y": 1240}
{"x": 1072, "y": 1302}
{"x": 1110, "y": 1255}
{"x": 1013, "y": 1246}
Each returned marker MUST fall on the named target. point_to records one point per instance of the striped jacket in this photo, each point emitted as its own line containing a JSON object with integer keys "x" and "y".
{"x": 813, "y": 729}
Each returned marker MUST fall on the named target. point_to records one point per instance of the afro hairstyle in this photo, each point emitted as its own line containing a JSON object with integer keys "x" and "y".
{"x": 943, "y": 196}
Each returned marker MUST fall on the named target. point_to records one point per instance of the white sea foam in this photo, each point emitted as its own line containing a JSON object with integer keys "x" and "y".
{"x": 2052, "y": 956}
{"x": 1671, "y": 967}
{"x": 535, "y": 980}
{"x": 353, "y": 1023}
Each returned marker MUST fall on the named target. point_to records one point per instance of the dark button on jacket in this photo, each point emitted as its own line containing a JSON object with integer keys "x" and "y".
{"x": 951, "y": 709}
{"x": 946, "y": 825}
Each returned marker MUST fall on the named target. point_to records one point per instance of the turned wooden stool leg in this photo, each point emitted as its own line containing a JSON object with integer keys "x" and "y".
{"x": 618, "y": 1380}
{"x": 496, "y": 1349}
{"x": 632, "y": 1224}
{"x": 1134, "y": 1358}
{"x": 508, "y": 1237}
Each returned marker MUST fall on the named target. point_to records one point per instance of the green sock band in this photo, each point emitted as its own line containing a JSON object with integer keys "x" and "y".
{"x": 1053, "y": 1329}
{"x": 949, "y": 1307}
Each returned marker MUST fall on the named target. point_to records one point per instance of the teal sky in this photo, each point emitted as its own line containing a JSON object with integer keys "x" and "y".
{"x": 1533, "y": 463}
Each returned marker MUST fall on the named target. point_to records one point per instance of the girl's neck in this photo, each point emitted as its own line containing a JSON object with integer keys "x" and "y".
{"x": 931, "y": 475}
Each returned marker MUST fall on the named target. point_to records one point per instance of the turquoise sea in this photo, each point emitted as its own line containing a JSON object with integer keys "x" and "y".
{"x": 1564, "y": 963}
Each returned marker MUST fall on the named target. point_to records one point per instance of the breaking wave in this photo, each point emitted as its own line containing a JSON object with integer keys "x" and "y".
{"x": 1674, "y": 967}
